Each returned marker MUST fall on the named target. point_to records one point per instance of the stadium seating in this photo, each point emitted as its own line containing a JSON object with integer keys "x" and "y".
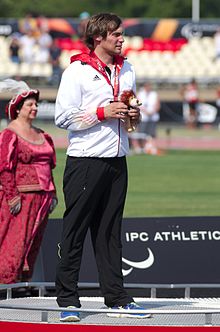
{"x": 174, "y": 61}
{"x": 192, "y": 59}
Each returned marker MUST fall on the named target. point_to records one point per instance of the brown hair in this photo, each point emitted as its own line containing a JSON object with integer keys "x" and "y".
{"x": 100, "y": 25}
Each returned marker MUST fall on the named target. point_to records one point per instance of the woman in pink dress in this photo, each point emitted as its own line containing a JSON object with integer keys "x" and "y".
{"x": 27, "y": 190}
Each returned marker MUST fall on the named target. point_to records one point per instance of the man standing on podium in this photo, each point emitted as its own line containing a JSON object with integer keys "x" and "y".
{"x": 95, "y": 176}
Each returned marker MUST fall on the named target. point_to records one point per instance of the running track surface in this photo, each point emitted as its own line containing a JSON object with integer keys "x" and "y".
{"x": 187, "y": 143}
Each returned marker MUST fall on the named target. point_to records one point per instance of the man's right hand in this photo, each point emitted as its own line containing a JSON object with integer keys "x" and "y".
{"x": 116, "y": 110}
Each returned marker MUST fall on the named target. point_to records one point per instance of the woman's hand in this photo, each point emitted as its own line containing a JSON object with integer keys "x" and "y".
{"x": 53, "y": 204}
{"x": 15, "y": 209}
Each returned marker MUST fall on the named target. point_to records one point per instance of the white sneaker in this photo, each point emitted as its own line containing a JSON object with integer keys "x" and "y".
{"x": 125, "y": 311}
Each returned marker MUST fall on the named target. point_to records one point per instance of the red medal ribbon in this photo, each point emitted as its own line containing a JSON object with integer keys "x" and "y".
{"x": 92, "y": 60}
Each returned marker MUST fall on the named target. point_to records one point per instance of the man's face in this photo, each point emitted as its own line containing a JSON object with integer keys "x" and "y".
{"x": 112, "y": 44}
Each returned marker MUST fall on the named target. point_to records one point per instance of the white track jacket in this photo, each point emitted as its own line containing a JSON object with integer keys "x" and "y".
{"x": 82, "y": 90}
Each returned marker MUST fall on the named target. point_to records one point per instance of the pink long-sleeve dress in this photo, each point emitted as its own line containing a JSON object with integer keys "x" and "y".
{"x": 25, "y": 172}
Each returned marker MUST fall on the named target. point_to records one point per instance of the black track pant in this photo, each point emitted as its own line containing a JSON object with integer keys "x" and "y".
{"x": 94, "y": 192}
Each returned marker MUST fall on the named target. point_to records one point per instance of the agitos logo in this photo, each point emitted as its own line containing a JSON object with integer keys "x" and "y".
{"x": 145, "y": 264}
{"x": 186, "y": 237}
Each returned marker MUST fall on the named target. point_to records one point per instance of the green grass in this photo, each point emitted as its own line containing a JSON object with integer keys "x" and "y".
{"x": 176, "y": 130}
{"x": 180, "y": 183}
